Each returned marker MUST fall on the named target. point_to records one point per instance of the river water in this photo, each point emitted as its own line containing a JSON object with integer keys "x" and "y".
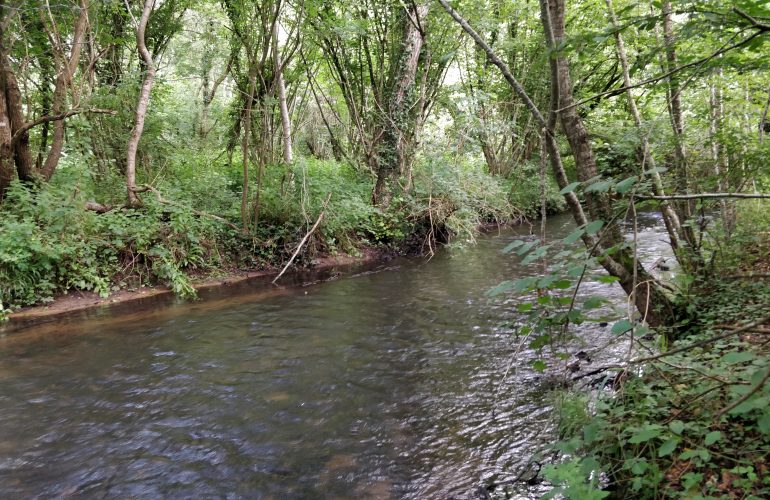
{"x": 384, "y": 382}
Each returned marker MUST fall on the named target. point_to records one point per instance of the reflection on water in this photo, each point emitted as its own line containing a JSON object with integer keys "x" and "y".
{"x": 387, "y": 383}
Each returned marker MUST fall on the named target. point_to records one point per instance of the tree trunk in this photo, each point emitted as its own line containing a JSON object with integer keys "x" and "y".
{"x": 14, "y": 112}
{"x": 677, "y": 120}
{"x": 288, "y": 156}
{"x": 7, "y": 173}
{"x": 650, "y": 298}
{"x": 395, "y": 150}
{"x": 245, "y": 148}
{"x": 141, "y": 106}
{"x": 670, "y": 218}
{"x": 63, "y": 79}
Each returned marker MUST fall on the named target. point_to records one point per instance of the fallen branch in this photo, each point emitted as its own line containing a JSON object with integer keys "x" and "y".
{"x": 307, "y": 235}
{"x": 99, "y": 208}
{"x": 159, "y": 197}
{"x": 698, "y": 196}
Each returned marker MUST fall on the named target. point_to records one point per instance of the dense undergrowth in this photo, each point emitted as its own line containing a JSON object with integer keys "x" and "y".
{"x": 695, "y": 421}
{"x": 50, "y": 243}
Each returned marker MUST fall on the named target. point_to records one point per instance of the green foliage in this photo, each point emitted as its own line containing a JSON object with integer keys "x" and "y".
{"x": 51, "y": 244}
{"x": 675, "y": 431}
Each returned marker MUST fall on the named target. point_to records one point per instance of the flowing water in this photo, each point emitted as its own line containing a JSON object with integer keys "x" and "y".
{"x": 401, "y": 380}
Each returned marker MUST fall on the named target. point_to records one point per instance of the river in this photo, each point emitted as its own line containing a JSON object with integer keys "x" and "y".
{"x": 384, "y": 382}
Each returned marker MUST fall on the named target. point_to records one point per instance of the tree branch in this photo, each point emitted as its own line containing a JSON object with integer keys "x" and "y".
{"x": 761, "y": 29}
{"x": 53, "y": 118}
{"x": 698, "y": 196}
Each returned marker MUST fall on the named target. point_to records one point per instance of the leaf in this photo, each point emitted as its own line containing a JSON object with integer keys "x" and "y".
{"x": 668, "y": 447}
{"x": 594, "y": 226}
{"x": 526, "y": 247}
{"x": 524, "y": 284}
{"x": 501, "y": 288}
{"x": 626, "y": 184}
{"x": 525, "y": 307}
{"x": 599, "y": 187}
{"x": 621, "y": 326}
{"x": 712, "y": 437}
{"x": 737, "y": 357}
{"x": 607, "y": 279}
{"x": 591, "y": 431}
{"x": 562, "y": 284}
{"x": 511, "y": 246}
{"x": 593, "y": 302}
{"x": 763, "y": 423}
{"x": 646, "y": 433}
{"x": 573, "y": 236}
{"x": 569, "y": 188}
{"x": 539, "y": 365}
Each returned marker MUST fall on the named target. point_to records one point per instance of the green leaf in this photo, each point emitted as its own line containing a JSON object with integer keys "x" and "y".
{"x": 594, "y": 226}
{"x": 501, "y": 288}
{"x": 763, "y": 423}
{"x": 622, "y": 326}
{"x": 562, "y": 284}
{"x": 626, "y": 184}
{"x": 593, "y": 302}
{"x": 569, "y": 188}
{"x": 525, "y": 307}
{"x": 573, "y": 236}
{"x": 539, "y": 365}
{"x": 738, "y": 357}
{"x": 712, "y": 437}
{"x": 668, "y": 447}
{"x": 599, "y": 187}
{"x": 512, "y": 245}
{"x": 527, "y": 247}
{"x": 591, "y": 431}
{"x": 646, "y": 433}
{"x": 607, "y": 279}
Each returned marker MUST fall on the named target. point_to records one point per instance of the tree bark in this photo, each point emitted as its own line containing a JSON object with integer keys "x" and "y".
{"x": 7, "y": 173}
{"x": 677, "y": 118}
{"x": 288, "y": 156}
{"x": 142, "y": 104}
{"x": 395, "y": 151}
{"x": 13, "y": 114}
{"x": 649, "y": 297}
{"x": 670, "y": 218}
{"x": 245, "y": 148}
{"x": 63, "y": 79}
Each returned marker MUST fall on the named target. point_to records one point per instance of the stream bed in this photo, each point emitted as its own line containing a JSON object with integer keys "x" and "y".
{"x": 388, "y": 381}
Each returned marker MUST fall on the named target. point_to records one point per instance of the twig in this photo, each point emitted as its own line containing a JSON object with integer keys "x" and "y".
{"x": 302, "y": 242}
{"x": 745, "y": 328}
{"x": 745, "y": 397}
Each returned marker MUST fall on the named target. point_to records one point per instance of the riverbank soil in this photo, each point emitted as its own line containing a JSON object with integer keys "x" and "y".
{"x": 82, "y": 300}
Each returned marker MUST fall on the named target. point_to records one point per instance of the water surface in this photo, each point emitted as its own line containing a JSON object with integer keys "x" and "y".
{"x": 398, "y": 381}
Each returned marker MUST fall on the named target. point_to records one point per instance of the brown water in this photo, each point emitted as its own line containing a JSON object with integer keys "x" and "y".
{"x": 386, "y": 382}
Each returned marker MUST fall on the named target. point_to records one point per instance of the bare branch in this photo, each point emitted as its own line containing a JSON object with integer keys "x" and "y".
{"x": 52, "y": 118}
{"x": 698, "y": 196}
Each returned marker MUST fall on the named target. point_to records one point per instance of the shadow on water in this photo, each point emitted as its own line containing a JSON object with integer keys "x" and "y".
{"x": 385, "y": 383}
